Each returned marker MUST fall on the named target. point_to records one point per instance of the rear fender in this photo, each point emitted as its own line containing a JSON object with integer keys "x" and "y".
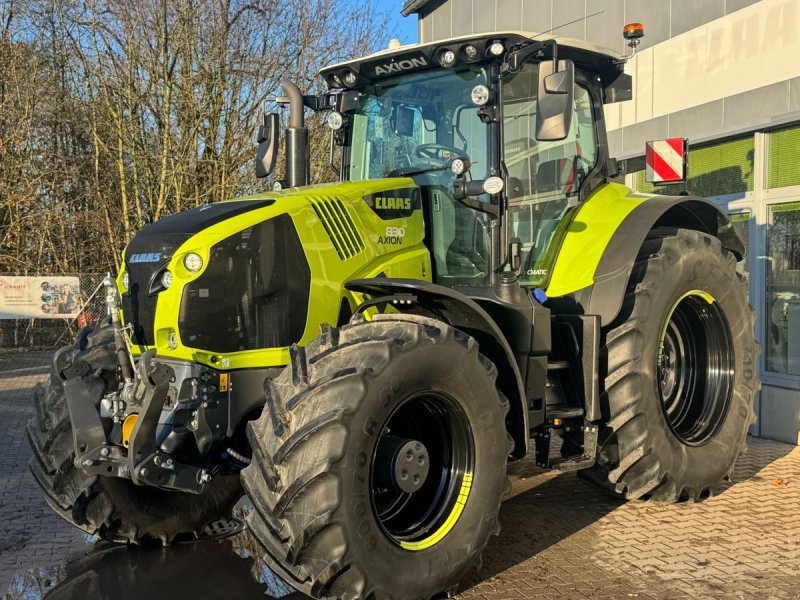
{"x": 605, "y": 238}
{"x": 615, "y": 267}
{"x": 465, "y": 314}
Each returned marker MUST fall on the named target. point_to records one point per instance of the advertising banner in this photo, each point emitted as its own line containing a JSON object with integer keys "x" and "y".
{"x": 39, "y": 297}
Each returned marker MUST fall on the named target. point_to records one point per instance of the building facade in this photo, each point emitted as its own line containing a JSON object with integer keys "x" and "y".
{"x": 725, "y": 74}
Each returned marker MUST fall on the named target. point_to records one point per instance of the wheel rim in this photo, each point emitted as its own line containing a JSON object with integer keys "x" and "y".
{"x": 695, "y": 368}
{"x": 422, "y": 469}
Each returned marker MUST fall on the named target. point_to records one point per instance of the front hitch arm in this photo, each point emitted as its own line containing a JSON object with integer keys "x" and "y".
{"x": 154, "y": 379}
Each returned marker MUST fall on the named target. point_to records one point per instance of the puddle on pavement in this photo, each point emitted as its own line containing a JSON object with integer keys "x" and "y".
{"x": 215, "y": 568}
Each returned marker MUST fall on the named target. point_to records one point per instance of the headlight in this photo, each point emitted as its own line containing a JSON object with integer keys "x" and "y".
{"x": 172, "y": 338}
{"x": 496, "y": 49}
{"x": 193, "y": 262}
{"x": 349, "y": 79}
{"x": 126, "y": 281}
{"x": 493, "y": 185}
{"x": 166, "y": 279}
{"x": 470, "y": 51}
{"x": 480, "y": 95}
{"x": 458, "y": 166}
{"x": 447, "y": 58}
{"x": 335, "y": 120}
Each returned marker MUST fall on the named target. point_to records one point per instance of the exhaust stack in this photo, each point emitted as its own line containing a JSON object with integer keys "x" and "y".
{"x": 297, "y": 159}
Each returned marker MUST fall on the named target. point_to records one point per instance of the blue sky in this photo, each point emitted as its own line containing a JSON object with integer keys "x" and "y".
{"x": 404, "y": 28}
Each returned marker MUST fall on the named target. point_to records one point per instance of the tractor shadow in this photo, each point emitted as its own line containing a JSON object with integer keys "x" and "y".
{"x": 545, "y": 508}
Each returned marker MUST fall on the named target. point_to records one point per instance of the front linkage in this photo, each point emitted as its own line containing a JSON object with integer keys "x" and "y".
{"x": 159, "y": 410}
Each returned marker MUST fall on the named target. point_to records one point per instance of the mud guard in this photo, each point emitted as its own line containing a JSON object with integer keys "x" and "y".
{"x": 611, "y": 276}
{"x": 462, "y": 312}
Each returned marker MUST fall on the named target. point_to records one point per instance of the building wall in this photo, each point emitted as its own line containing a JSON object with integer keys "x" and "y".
{"x": 726, "y": 75}
{"x": 663, "y": 19}
{"x": 735, "y": 74}
{"x": 705, "y": 69}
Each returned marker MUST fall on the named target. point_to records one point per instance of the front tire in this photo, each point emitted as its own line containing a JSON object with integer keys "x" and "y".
{"x": 681, "y": 378}
{"x": 379, "y": 462}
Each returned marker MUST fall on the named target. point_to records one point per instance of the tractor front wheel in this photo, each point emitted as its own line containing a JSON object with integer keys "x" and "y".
{"x": 379, "y": 462}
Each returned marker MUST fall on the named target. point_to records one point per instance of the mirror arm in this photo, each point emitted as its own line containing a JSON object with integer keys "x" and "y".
{"x": 463, "y": 189}
{"x": 489, "y": 113}
{"x": 517, "y": 58}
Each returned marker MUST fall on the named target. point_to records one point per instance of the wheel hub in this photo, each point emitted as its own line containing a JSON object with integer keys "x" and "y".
{"x": 405, "y": 463}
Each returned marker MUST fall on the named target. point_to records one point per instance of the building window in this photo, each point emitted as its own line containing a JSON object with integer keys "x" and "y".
{"x": 715, "y": 170}
{"x": 741, "y": 224}
{"x": 783, "y": 290}
{"x": 784, "y": 158}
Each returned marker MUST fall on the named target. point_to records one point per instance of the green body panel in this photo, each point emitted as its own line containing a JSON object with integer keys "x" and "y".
{"x": 399, "y": 256}
{"x": 588, "y": 235}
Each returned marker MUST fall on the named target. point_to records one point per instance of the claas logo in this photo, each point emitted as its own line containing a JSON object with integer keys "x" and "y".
{"x": 389, "y": 203}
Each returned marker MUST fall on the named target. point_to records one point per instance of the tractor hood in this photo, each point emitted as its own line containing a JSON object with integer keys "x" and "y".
{"x": 236, "y": 276}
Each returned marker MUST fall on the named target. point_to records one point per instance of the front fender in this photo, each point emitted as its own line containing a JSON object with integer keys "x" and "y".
{"x": 462, "y": 312}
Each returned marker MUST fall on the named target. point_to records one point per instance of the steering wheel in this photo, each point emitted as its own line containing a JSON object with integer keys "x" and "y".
{"x": 431, "y": 152}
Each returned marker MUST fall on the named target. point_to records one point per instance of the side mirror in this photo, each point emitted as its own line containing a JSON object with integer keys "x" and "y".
{"x": 267, "y": 153}
{"x": 556, "y": 91}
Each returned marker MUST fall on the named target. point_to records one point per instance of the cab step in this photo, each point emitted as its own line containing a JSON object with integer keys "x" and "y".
{"x": 542, "y": 448}
{"x": 565, "y": 412}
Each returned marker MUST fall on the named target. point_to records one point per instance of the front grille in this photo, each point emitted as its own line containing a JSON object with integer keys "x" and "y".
{"x": 339, "y": 226}
{"x": 253, "y": 293}
{"x": 150, "y": 250}
{"x": 145, "y": 257}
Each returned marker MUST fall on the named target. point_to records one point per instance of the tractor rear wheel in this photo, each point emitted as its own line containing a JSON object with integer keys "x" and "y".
{"x": 379, "y": 462}
{"x": 681, "y": 377}
{"x": 111, "y": 508}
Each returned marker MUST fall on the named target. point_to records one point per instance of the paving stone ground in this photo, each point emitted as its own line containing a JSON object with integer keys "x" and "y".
{"x": 561, "y": 538}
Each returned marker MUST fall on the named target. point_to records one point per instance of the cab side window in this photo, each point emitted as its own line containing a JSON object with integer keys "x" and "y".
{"x": 544, "y": 177}
{"x": 545, "y": 169}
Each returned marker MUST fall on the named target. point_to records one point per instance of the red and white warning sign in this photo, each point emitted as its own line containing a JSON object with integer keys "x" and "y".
{"x": 666, "y": 161}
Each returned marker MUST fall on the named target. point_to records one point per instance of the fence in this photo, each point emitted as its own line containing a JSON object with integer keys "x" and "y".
{"x": 49, "y": 333}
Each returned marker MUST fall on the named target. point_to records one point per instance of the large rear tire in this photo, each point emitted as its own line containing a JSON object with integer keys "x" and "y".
{"x": 379, "y": 462}
{"x": 110, "y": 508}
{"x": 681, "y": 377}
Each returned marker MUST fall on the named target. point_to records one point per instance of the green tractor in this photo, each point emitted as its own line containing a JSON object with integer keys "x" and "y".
{"x": 364, "y": 358}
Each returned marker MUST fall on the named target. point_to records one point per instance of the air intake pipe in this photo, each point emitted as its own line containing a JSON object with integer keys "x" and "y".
{"x": 297, "y": 160}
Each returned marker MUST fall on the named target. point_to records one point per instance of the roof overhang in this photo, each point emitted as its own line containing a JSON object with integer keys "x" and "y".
{"x": 414, "y": 6}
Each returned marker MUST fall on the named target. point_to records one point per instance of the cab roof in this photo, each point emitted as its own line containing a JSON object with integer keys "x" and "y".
{"x": 385, "y": 63}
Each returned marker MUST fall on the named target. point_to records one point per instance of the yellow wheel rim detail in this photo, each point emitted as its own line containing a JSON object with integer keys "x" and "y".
{"x": 700, "y": 293}
{"x": 447, "y": 526}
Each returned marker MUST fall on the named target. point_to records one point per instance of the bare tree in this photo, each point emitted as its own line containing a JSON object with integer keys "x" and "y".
{"x": 114, "y": 113}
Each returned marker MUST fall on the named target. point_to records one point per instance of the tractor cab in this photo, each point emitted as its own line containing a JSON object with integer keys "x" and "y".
{"x": 503, "y": 135}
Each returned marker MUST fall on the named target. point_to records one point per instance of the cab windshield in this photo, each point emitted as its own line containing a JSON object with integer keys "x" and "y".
{"x": 414, "y": 125}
